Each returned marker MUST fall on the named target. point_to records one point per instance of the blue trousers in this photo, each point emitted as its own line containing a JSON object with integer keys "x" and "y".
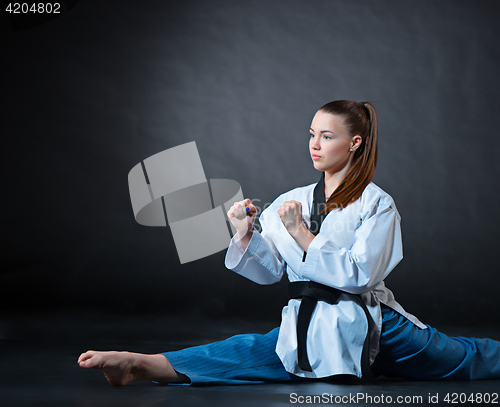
{"x": 406, "y": 351}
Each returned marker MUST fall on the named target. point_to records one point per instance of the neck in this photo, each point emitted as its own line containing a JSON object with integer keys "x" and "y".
{"x": 333, "y": 180}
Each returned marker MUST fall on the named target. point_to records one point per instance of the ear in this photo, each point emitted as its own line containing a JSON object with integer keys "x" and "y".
{"x": 356, "y": 142}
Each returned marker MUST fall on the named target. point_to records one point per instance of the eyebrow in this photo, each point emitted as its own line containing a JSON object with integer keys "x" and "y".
{"x": 323, "y": 131}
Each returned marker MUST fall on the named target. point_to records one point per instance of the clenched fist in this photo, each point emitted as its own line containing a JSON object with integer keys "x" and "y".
{"x": 242, "y": 215}
{"x": 291, "y": 215}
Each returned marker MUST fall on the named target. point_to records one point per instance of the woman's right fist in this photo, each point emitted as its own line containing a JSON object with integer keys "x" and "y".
{"x": 242, "y": 215}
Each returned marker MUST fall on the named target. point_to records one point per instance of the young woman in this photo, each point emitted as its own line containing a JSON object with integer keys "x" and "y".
{"x": 337, "y": 240}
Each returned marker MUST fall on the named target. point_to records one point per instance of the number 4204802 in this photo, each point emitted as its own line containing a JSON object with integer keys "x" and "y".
{"x": 41, "y": 8}
{"x": 479, "y": 398}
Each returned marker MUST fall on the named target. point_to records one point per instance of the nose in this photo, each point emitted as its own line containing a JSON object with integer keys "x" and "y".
{"x": 314, "y": 143}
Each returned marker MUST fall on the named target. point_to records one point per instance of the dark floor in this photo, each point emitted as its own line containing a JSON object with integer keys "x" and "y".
{"x": 39, "y": 352}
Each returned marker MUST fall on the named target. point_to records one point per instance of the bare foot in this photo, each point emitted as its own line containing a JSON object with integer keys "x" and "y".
{"x": 120, "y": 368}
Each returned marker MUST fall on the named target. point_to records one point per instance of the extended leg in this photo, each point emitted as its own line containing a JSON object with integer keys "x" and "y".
{"x": 241, "y": 359}
{"x": 427, "y": 354}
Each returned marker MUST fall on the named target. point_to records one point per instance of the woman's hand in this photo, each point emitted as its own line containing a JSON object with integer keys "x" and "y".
{"x": 242, "y": 215}
{"x": 291, "y": 216}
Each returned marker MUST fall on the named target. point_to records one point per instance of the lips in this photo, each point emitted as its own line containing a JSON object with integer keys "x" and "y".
{"x": 315, "y": 157}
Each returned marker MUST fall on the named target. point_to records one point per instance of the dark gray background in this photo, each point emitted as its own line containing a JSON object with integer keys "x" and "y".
{"x": 88, "y": 95}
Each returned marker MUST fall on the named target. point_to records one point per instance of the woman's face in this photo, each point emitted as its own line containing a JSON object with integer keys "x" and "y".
{"x": 330, "y": 143}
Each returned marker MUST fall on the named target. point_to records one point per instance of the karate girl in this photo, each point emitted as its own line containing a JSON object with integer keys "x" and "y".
{"x": 337, "y": 240}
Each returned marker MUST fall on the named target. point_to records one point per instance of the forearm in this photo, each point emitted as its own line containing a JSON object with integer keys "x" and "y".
{"x": 302, "y": 236}
{"x": 245, "y": 238}
{"x": 258, "y": 261}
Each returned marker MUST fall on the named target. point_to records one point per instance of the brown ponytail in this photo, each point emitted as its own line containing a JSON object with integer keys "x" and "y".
{"x": 360, "y": 119}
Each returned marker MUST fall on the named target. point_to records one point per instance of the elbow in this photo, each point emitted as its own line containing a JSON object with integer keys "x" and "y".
{"x": 366, "y": 275}
{"x": 361, "y": 281}
{"x": 266, "y": 279}
{"x": 261, "y": 275}
{"x": 270, "y": 281}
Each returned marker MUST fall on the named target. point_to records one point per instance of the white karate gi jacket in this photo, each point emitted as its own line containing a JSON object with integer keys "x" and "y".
{"x": 355, "y": 249}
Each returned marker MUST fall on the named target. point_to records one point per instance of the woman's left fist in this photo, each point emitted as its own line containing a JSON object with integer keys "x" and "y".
{"x": 291, "y": 215}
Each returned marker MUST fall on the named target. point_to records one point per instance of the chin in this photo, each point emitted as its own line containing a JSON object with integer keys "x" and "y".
{"x": 318, "y": 166}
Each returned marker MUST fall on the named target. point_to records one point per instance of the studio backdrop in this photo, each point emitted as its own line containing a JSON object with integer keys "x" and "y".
{"x": 91, "y": 94}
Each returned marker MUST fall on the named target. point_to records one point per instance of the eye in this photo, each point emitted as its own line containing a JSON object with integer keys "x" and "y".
{"x": 312, "y": 135}
{"x": 327, "y": 137}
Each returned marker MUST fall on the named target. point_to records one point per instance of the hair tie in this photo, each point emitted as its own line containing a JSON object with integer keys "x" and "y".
{"x": 365, "y": 108}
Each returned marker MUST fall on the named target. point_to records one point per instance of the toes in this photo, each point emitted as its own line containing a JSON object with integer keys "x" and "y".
{"x": 84, "y": 356}
{"x": 84, "y": 362}
{"x": 87, "y": 355}
{"x": 88, "y": 360}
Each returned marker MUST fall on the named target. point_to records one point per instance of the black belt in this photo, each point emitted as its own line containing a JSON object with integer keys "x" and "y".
{"x": 310, "y": 293}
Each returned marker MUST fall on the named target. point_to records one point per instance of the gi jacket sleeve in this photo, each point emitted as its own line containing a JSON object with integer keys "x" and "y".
{"x": 260, "y": 262}
{"x": 376, "y": 250}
